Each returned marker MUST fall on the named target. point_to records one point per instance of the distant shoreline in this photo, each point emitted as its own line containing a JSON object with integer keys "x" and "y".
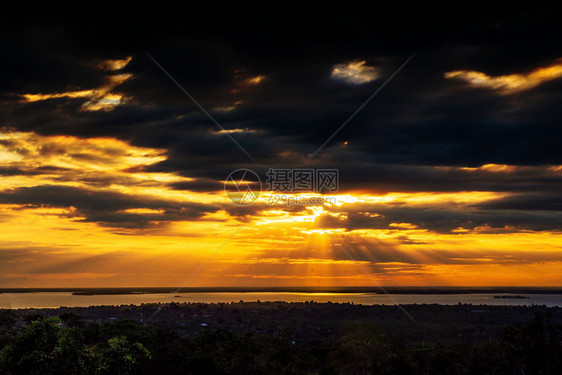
{"x": 371, "y": 290}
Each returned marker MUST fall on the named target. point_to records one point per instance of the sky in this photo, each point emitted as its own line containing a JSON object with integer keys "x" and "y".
{"x": 118, "y": 136}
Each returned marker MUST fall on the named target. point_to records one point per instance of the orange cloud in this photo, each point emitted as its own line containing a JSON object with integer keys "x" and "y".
{"x": 101, "y": 98}
{"x": 116, "y": 64}
{"x": 277, "y": 246}
{"x": 510, "y": 83}
{"x": 355, "y": 72}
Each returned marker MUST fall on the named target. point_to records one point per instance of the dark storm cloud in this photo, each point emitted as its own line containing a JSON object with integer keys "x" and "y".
{"x": 199, "y": 185}
{"x": 46, "y": 169}
{"x": 389, "y": 177}
{"x": 443, "y": 219}
{"x": 106, "y": 208}
{"x": 40, "y": 60}
{"x": 526, "y": 202}
{"x": 11, "y": 171}
{"x": 420, "y": 121}
{"x": 382, "y": 178}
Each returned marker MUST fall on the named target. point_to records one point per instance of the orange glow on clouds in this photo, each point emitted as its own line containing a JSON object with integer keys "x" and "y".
{"x": 509, "y": 83}
{"x": 49, "y": 245}
{"x": 101, "y": 98}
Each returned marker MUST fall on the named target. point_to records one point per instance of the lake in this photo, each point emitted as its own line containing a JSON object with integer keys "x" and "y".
{"x": 58, "y": 299}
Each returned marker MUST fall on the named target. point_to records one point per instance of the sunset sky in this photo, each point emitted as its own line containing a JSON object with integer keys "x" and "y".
{"x": 451, "y": 175}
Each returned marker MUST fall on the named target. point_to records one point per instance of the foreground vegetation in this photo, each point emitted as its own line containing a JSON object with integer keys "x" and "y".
{"x": 68, "y": 343}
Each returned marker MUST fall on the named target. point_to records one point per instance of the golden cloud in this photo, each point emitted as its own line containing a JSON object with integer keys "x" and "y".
{"x": 116, "y": 64}
{"x": 252, "y": 81}
{"x": 100, "y": 98}
{"x": 507, "y": 84}
{"x": 355, "y": 72}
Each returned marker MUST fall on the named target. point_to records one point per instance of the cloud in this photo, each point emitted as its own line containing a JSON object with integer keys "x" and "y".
{"x": 448, "y": 177}
{"x": 114, "y": 64}
{"x": 101, "y": 98}
{"x": 445, "y": 218}
{"x": 199, "y": 185}
{"x": 252, "y": 81}
{"x": 106, "y": 207}
{"x": 510, "y": 83}
{"x": 355, "y": 72}
{"x": 526, "y": 202}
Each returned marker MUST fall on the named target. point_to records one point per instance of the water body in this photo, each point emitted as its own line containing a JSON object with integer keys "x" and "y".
{"x": 68, "y": 299}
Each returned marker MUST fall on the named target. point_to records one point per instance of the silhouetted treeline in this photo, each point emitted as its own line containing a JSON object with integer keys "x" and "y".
{"x": 67, "y": 344}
